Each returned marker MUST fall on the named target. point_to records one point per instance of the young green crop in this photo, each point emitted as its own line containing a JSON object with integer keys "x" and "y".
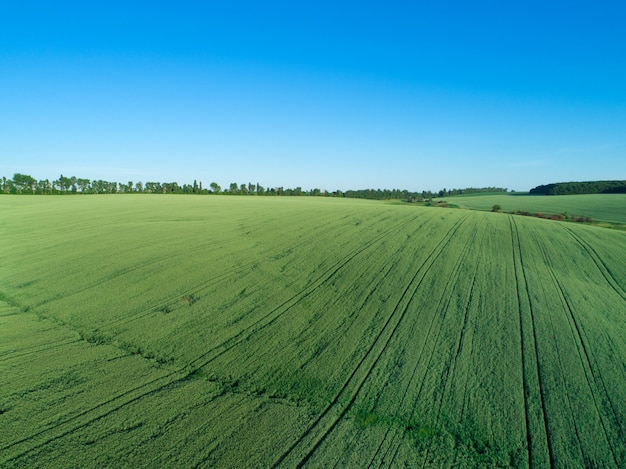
{"x": 609, "y": 208}
{"x": 229, "y": 332}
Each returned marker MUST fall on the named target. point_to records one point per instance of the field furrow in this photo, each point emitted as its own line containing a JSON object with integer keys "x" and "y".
{"x": 328, "y": 420}
{"x": 270, "y": 317}
{"x": 596, "y": 420}
{"x": 540, "y": 450}
{"x": 620, "y": 288}
{"x": 306, "y": 332}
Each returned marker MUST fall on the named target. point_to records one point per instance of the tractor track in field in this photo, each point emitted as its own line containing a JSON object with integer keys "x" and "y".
{"x": 381, "y": 277}
{"x": 173, "y": 300}
{"x": 332, "y": 329}
{"x": 36, "y": 349}
{"x": 273, "y": 315}
{"x": 578, "y": 329}
{"x": 584, "y": 357}
{"x": 100, "y": 282}
{"x": 380, "y": 280}
{"x": 326, "y": 419}
{"x": 203, "y": 285}
{"x": 442, "y": 305}
{"x": 144, "y": 389}
{"x": 525, "y": 386}
{"x": 565, "y": 395}
{"x": 170, "y": 300}
{"x": 101, "y": 410}
{"x": 117, "y": 402}
{"x": 600, "y": 264}
{"x": 451, "y": 364}
{"x": 543, "y": 418}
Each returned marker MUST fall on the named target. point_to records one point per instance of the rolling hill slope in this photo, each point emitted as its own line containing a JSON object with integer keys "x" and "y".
{"x": 600, "y": 207}
{"x": 225, "y": 331}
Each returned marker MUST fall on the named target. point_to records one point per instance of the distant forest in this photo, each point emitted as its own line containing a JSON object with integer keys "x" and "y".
{"x": 25, "y": 184}
{"x": 587, "y": 187}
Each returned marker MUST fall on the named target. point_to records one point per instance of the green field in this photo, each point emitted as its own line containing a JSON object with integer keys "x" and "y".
{"x": 216, "y": 331}
{"x": 600, "y": 207}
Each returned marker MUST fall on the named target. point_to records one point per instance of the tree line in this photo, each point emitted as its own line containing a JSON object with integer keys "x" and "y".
{"x": 584, "y": 187}
{"x": 26, "y": 184}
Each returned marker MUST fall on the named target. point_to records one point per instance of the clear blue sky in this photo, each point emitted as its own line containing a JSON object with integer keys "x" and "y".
{"x": 337, "y": 95}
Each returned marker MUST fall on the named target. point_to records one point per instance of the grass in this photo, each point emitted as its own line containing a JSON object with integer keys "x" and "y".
{"x": 232, "y": 331}
{"x": 608, "y": 208}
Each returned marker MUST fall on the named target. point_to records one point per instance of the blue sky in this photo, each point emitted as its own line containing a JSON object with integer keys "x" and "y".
{"x": 334, "y": 95}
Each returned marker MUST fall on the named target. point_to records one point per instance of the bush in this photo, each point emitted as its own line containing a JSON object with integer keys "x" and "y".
{"x": 496, "y": 208}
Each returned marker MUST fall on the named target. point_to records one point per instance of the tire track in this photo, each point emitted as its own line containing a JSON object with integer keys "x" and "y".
{"x": 37, "y": 349}
{"x": 212, "y": 281}
{"x": 324, "y": 424}
{"x": 175, "y": 376}
{"x": 526, "y": 387}
{"x": 561, "y": 369}
{"x": 583, "y": 356}
{"x": 246, "y": 265}
{"x": 442, "y": 305}
{"x": 172, "y": 300}
{"x": 97, "y": 283}
{"x": 272, "y": 316}
{"x": 540, "y": 420}
{"x": 186, "y": 371}
{"x": 600, "y": 264}
{"x": 101, "y": 410}
{"x": 332, "y": 329}
{"x": 450, "y": 367}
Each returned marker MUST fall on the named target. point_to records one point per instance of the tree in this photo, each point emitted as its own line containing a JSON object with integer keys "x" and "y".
{"x": 44, "y": 187}
{"x": 496, "y": 208}
{"x": 83, "y": 184}
{"x": 154, "y": 187}
{"x": 63, "y": 183}
{"x": 215, "y": 187}
{"x": 24, "y": 182}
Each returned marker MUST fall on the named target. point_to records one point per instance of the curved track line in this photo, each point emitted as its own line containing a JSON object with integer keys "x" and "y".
{"x": 526, "y": 388}
{"x": 582, "y": 355}
{"x": 308, "y": 439}
{"x": 147, "y": 311}
{"x": 37, "y": 349}
{"x": 179, "y": 375}
{"x": 442, "y": 305}
{"x": 533, "y": 346}
{"x": 90, "y": 419}
{"x": 272, "y": 316}
{"x": 234, "y": 272}
{"x": 450, "y": 367}
{"x": 600, "y": 264}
